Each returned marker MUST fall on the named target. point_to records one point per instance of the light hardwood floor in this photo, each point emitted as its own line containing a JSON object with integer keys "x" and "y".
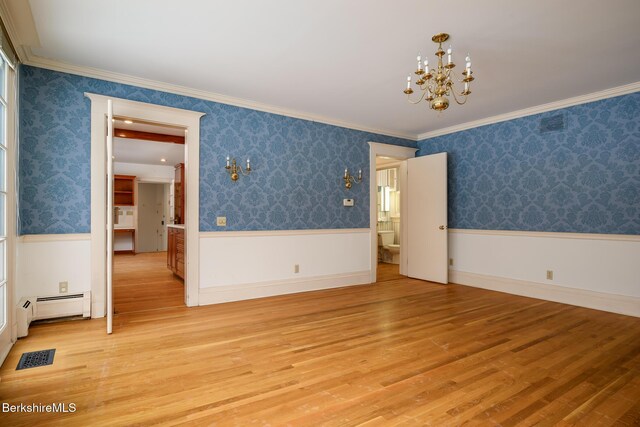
{"x": 143, "y": 282}
{"x": 401, "y": 352}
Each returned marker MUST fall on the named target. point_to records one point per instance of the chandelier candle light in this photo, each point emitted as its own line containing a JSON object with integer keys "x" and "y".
{"x": 437, "y": 83}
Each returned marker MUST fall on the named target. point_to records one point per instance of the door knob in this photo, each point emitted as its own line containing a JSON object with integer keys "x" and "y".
{"x": 442, "y": 227}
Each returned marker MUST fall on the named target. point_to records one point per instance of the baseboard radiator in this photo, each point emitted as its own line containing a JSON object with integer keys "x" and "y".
{"x": 52, "y": 307}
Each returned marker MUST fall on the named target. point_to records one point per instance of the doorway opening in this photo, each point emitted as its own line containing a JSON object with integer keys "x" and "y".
{"x": 388, "y": 209}
{"x": 149, "y": 186}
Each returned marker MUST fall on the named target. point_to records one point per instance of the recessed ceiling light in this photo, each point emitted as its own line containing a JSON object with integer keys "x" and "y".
{"x": 163, "y": 160}
{"x": 128, "y": 122}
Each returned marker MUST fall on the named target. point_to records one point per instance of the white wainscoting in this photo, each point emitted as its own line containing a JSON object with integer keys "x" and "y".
{"x": 245, "y": 265}
{"x": 595, "y": 271}
{"x": 45, "y": 260}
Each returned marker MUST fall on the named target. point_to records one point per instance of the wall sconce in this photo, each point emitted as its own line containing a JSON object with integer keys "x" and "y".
{"x": 348, "y": 178}
{"x": 233, "y": 168}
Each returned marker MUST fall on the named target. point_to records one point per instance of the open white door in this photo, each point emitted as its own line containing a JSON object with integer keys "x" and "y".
{"x": 110, "y": 213}
{"x": 427, "y": 218}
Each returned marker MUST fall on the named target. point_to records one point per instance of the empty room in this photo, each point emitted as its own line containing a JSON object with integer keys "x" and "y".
{"x": 332, "y": 213}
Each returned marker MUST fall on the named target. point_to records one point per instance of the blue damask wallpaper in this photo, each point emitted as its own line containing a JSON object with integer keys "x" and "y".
{"x": 298, "y": 164}
{"x": 584, "y": 178}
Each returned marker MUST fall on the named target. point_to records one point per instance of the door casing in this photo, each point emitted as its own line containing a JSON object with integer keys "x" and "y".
{"x": 396, "y": 152}
{"x": 190, "y": 120}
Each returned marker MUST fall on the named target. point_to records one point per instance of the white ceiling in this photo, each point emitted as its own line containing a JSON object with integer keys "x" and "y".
{"x": 348, "y": 60}
{"x": 127, "y": 150}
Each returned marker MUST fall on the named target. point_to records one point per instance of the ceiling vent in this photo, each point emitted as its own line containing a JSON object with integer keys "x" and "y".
{"x": 552, "y": 123}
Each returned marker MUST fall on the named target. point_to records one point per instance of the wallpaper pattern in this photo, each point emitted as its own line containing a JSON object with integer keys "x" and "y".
{"x": 298, "y": 164}
{"x": 585, "y": 178}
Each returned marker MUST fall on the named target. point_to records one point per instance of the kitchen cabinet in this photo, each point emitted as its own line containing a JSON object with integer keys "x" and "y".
{"x": 175, "y": 250}
{"x": 179, "y": 192}
{"x": 123, "y": 190}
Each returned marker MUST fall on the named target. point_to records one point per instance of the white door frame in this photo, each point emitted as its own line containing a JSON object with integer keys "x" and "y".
{"x": 162, "y": 115}
{"x": 10, "y": 334}
{"x": 400, "y": 153}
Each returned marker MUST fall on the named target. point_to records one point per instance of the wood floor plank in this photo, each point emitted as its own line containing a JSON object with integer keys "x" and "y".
{"x": 399, "y": 352}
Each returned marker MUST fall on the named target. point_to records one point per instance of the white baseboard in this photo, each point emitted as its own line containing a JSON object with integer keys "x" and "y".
{"x": 220, "y": 294}
{"x": 597, "y": 300}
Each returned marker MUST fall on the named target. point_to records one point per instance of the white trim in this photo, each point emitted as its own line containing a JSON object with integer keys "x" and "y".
{"x": 556, "y": 105}
{"x": 8, "y": 335}
{"x": 220, "y": 294}
{"x": 18, "y": 20}
{"x": 597, "y": 300}
{"x": 158, "y": 114}
{"x": 400, "y": 153}
{"x": 96, "y": 73}
{"x": 4, "y": 351}
{"x": 259, "y": 233}
{"x": 549, "y": 234}
{"x": 39, "y": 238}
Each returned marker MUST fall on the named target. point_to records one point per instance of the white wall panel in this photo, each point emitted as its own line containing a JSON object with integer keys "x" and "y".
{"x": 44, "y": 263}
{"x": 249, "y": 258}
{"x": 610, "y": 266}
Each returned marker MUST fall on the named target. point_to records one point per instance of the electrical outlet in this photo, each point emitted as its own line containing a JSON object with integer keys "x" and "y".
{"x": 549, "y": 274}
{"x": 63, "y": 287}
{"x": 450, "y": 261}
{"x": 296, "y": 268}
{"x": 221, "y": 221}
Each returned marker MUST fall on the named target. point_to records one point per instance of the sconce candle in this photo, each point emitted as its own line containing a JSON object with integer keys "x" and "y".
{"x": 349, "y": 179}
{"x": 235, "y": 170}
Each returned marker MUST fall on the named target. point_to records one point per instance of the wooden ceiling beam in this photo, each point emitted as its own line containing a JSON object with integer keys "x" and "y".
{"x": 148, "y": 136}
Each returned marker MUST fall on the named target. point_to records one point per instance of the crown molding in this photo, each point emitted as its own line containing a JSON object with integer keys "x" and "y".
{"x": 37, "y": 61}
{"x": 18, "y": 20}
{"x": 556, "y": 105}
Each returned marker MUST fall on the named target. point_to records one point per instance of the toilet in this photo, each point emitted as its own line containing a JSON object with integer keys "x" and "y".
{"x": 387, "y": 250}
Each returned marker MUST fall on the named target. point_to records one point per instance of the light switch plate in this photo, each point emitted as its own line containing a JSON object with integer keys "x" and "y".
{"x": 221, "y": 221}
{"x": 348, "y": 202}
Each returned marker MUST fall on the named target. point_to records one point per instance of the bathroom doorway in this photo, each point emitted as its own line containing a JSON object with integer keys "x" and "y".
{"x": 388, "y": 210}
{"x": 388, "y": 220}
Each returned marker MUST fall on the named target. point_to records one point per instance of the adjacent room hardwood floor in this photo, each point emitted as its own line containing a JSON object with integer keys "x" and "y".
{"x": 388, "y": 272}
{"x": 143, "y": 282}
{"x": 401, "y": 352}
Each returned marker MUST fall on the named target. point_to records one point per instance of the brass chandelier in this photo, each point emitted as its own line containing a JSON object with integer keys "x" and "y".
{"x": 437, "y": 84}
